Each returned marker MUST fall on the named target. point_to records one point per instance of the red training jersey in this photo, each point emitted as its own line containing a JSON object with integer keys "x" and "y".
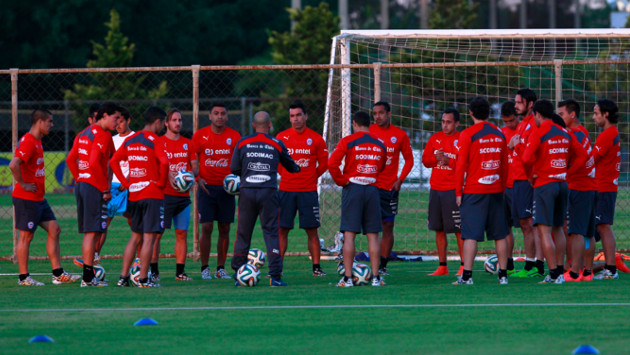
{"x": 442, "y": 176}
{"x": 365, "y": 158}
{"x": 89, "y": 155}
{"x": 583, "y": 179}
{"x": 214, "y": 152}
{"x": 482, "y": 160}
{"x": 396, "y": 141}
{"x": 310, "y": 152}
{"x": 179, "y": 154}
{"x": 31, "y": 153}
{"x": 525, "y": 128}
{"x": 148, "y": 166}
{"x": 509, "y": 133}
{"x": 607, "y": 155}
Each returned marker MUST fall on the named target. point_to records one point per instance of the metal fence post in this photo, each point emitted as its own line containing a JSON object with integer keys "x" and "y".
{"x": 377, "y": 81}
{"x": 557, "y": 64}
{"x": 195, "y": 73}
{"x": 14, "y": 140}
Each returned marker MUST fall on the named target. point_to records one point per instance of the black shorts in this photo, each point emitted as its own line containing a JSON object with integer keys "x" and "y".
{"x": 550, "y": 204}
{"x": 443, "y": 212}
{"x": 522, "y": 201}
{"x": 389, "y": 204}
{"x": 218, "y": 205}
{"x": 581, "y": 213}
{"x": 360, "y": 209}
{"x": 512, "y": 217}
{"x": 605, "y": 208}
{"x": 147, "y": 215}
{"x": 307, "y": 203}
{"x": 173, "y": 206}
{"x": 29, "y": 214}
{"x": 91, "y": 208}
{"x": 483, "y": 213}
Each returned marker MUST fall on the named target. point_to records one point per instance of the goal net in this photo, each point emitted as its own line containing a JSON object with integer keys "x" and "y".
{"x": 421, "y": 73}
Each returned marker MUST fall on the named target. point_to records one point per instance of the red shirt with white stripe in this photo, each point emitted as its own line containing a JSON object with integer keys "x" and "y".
{"x": 442, "y": 176}
{"x": 607, "y": 155}
{"x": 214, "y": 152}
{"x": 310, "y": 152}
{"x": 396, "y": 141}
{"x": 179, "y": 154}
{"x": 31, "y": 153}
{"x": 365, "y": 158}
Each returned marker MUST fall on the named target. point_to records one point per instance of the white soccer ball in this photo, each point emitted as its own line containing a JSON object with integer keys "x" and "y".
{"x": 248, "y": 275}
{"x": 361, "y": 274}
{"x": 99, "y": 272}
{"x": 341, "y": 268}
{"x": 183, "y": 180}
{"x": 256, "y": 257}
{"x": 491, "y": 265}
{"x": 134, "y": 272}
{"x": 232, "y": 184}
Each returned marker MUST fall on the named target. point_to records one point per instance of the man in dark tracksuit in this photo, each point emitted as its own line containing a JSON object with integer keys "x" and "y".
{"x": 255, "y": 160}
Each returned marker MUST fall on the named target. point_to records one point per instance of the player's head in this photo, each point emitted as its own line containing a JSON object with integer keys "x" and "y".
{"x": 173, "y": 121}
{"x": 92, "y": 112}
{"x": 262, "y": 122}
{"x": 107, "y": 115}
{"x": 542, "y": 110}
{"x": 297, "y": 116}
{"x": 218, "y": 115}
{"x": 524, "y": 100}
{"x": 605, "y": 111}
{"x": 122, "y": 127}
{"x": 361, "y": 119}
{"x": 450, "y": 121}
{"x": 41, "y": 121}
{"x": 154, "y": 119}
{"x": 479, "y": 108}
{"x": 569, "y": 110}
{"x": 558, "y": 120}
{"x": 382, "y": 113}
{"x": 508, "y": 115}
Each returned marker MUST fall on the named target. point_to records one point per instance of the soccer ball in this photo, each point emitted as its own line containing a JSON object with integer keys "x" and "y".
{"x": 491, "y": 265}
{"x": 232, "y": 184}
{"x": 341, "y": 268}
{"x": 99, "y": 272}
{"x": 248, "y": 275}
{"x": 183, "y": 180}
{"x": 361, "y": 274}
{"x": 134, "y": 272}
{"x": 256, "y": 257}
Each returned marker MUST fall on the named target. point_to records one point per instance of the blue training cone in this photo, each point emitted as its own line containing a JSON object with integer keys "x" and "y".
{"x": 41, "y": 339}
{"x": 585, "y": 349}
{"x": 145, "y": 321}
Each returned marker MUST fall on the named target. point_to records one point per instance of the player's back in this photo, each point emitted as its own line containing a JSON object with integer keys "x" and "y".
{"x": 583, "y": 179}
{"x": 143, "y": 151}
{"x": 482, "y": 158}
{"x": 607, "y": 154}
{"x": 548, "y": 151}
{"x": 365, "y": 158}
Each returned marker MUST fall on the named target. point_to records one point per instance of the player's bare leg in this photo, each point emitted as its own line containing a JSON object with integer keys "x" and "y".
{"x": 608, "y": 242}
{"x": 52, "y": 242}
{"x": 148, "y": 241}
{"x": 374, "y": 251}
{"x": 502, "y": 249}
{"x": 22, "y": 252}
{"x": 223, "y": 242}
{"x": 576, "y": 242}
{"x": 181, "y": 245}
{"x": 205, "y": 242}
{"x": 130, "y": 252}
{"x": 387, "y": 244}
{"x": 469, "y": 252}
{"x": 441, "y": 243}
{"x": 313, "y": 244}
{"x": 460, "y": 251}
{"x": 283, "y": 240}
{"x": 348, "y": 252}
{"x": 155, "y": 256}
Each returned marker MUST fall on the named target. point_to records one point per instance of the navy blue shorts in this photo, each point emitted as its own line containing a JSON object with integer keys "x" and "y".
{"x": 307, "y": 203}
{"x": 389, "y": 204}
{"x": 29, "y": 214}
{"x": 91, "y": 208}
{"x": 218, "y": 205}
{"x": 581, "y": 213}
{"x": 512, "y": 217}
{"x": 443, "y": 212}
{"x": 605, "y": 208}
{"x": 360, "y": 209}
{"x": 147, "y": 215}
{"x": 483, "y": 213}
{"x": 173, "y": 206}
{"x": 522, "y": 201}
{"x": 550, "y": 204}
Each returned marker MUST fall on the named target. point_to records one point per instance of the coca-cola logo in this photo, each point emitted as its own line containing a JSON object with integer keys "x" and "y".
{"x": 178, "y": 167}
{"x": 221, "y": 163}
{"x": 303, "y": 163}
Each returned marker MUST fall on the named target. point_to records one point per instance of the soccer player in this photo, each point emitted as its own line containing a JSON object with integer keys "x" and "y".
{"x": 511, "y": 121}
{"x": 93, "y": 110}
{"x": 396, "y": 141}
{"x": 176, "y": 204}
{"x": 551, "y": 154}
{"x": 298, "y": 192}
{"x": 582, "y": 197}
{"x": 607, "y": 155}
{"x": 480, "y": 176}
{"x": 213, "y": 146}
{"x": 523, "y": 192}
{"x": 87, "y": 161}
{"x": 148, "y": 174}
{"x": 31, "y": 208}
{"x": 440, "y": 154}
{"x": 256, "y": 160}
{"x": 364, "y": 159}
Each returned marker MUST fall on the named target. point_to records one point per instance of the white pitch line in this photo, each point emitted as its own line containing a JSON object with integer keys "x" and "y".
{"x": 355, "y": 306}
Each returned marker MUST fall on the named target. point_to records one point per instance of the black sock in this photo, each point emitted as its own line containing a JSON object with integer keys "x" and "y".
{"x": 24, "y": 276}
{"x": 219, "y": 267}
{"x": 143, "y": 281}
{"x": 57, "y": 272}
{"x": 127, "y": 278}
{"x": 574, "y": 275}
{"x": 461, "y": 264}
{"x": 611, "y": 268}
{"x": 502, "y": 273}
{"x": 346, "y": 278}
{"x": 203, "y": 267}
{"x": 383, "y": 262}
{"x": 540, "y": 265}
{"x": 510, "y": 265}
{"x": 443, "y": 263}
{"x": 560, "y": 270}
{"x": 316, "y": 267}
{"x": 179, "y": 269}
{"x": 554, "y": 273}
{"x": 88, "y": 273}
{"x": 529, "y": 265}
{"x": 154, "y": 269}
{"x": 587, "y": 272}
{"x": 467, "y": 274}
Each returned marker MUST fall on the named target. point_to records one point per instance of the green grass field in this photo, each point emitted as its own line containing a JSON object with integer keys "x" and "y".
{"x": 413, "y": 313}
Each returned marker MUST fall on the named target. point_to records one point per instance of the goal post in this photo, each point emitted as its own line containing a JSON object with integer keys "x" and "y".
{"x": 422, "y": 72}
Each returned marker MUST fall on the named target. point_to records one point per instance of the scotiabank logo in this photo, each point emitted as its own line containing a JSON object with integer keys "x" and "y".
{"x": 559, "y": 163}
{"x": 137, "y": 172}
{"x": 490, "y": 164}
{"x": 367, "y": 169}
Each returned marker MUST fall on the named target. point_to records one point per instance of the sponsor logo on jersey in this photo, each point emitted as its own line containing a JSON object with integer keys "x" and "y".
{"x": 185, "y": 146}
{"x": 137, "y": 172}
{"x": 303, "y": 163}
{"x": 391, "y": 149}
{"x": 40, "y": 161}
{"x": 489, "y": 150}
{"x": 257, "y": 166}
{"x": 559, "y": 163}
{"x": 217, "y": 151}
{"x": 83, "y": 151}
{"x": 257, "y": 179}
{"x": 181, "y": 166}
{"x": 83, "y": 165}
{"x": 618, "y": 166}
{"x": 367, "y": 169}
{"x": 490, "y": 164}
{"x": 170, "y": 156}
{"x": 221, "y": 163}
{"x": 137, "y": 158}
{"x": 558, "y": 150}
{"x": 40, "y": 173}
{"x": 562, "y": 176}
{"x": 393, "y": 140}
{"x": 259, "y": 155}
{"x": 85, "y": 175}
{"x": 137, "y": 148}
{"x": 298, "y": 151}
{"x": 228, "y": 141}
{"x": 362, "y": 180}
{"x": 368, "y": 157}
{"x": 138, "y": 186}
{"x": 489, "y": 179}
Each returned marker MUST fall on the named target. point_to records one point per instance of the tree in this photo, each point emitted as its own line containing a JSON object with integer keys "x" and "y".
{"x": 453, "y": 14}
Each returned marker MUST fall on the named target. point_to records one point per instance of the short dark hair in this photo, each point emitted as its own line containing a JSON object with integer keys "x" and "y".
{"x": 39, "y": 115}
{"x": 124, "y": 112}
{"x": 609, "y": 106}
{"x": 480, "y": 108}
{"x": 571, "y": 106}
{"x": 453, "y": 111}
{"x": 298, "y": 104}
{"x": 385, "y": 105}
{"x": 544, "y": 108}
{"x": 94, "y": 109}
{"x": 171, "y": 112}
{"x": 507, "y": 109}
{"x": 527, "y": 94}
{"x": 107, "y": 108}
{"x": 153, "y": 114}
{"x": 218, "y": 104}
{"x": 558, "y": 120}
{"x": 361, "y": 118}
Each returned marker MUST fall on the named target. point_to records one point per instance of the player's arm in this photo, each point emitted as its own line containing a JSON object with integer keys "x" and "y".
{"x": 236, "y": 163}
{"x": 601, "y": 147}
{"x": 322, "y": 158}
{"x": 530, "y": 152}
{"x": 577, "y": 155}
{"x": 164, "y": 174}
{"x": 334, "y": 165}
{"x": 461, "y": 166}
{"x": 72, "y": 160}
{"x": 99, "y": 151}
{"x": 428, "y": 157}
{"x": 286, "y": 160}
{"x": 14, "y": 165}
{"x": 504, "y": 166}
{"x": 114, "y": 163}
